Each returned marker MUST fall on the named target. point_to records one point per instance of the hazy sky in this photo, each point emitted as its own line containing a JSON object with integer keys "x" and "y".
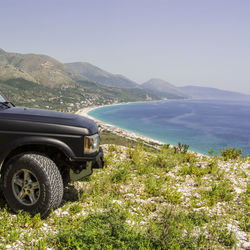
{"x": 198, "y": 42}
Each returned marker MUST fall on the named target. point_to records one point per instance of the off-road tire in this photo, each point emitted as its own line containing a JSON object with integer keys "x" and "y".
{"x": 41, "y": 169}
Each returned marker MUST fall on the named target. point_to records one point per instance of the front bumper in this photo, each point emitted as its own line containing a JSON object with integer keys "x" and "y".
{"x": 96, "y": 161}
{"x": 99, "y": 161}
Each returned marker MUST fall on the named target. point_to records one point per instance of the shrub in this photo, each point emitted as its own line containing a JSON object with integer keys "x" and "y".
{"x": 198, "y": 218}
{"x": 182, "y": 148}
{"x": 74, "y": 209}
{"x": 195, "y": 170}
{"x": 165, "y": 146}
{"x": 227, "y": 238}
{"x": 172, "y": 195}
{"x": 107, "y": 230}
{"x": 120, "y": 175}
{"x": 173, "y": 231}
{"x": 112, "y": 148}
{"x": 211, "y": 152}
{"x": 222, "y": 191}
{"x": 153, "y": 186}
{"x": 230, "y": 153}
{"x": 164, "y": 161}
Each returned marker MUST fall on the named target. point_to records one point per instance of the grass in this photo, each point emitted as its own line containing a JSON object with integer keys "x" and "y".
{"x": 223, "y": 191}
{"x": 109, "y": 138}
{"x": 143, "y": 199}
{"x": 107, "y": 230}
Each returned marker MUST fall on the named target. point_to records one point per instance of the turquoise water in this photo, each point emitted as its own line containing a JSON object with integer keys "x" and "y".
{"x": 200, "y": 124}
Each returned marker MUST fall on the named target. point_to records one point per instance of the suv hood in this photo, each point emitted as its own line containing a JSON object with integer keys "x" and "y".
{"x": 48, "y": 116}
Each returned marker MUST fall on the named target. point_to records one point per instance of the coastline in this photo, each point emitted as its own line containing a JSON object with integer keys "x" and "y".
{"x": 123, "y": 132}
{"x": 114, "y": 129}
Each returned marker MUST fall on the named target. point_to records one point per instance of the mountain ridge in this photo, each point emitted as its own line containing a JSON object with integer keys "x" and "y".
{"x": 49, "y": 72}
{"x": 43, "y": 82}
{"x": 197, "y": 92}
{"x": 41, "y": 69}
{"x": 97, "y": 74}
{"x": 163, "y": 89}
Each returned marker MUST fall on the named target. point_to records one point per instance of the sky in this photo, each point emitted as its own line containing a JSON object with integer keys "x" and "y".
{"x": 185, "y": 42}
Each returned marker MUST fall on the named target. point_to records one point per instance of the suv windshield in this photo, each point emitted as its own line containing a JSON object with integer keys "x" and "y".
{"x": 3, "y": 103}
{"x": 2, "y": 99}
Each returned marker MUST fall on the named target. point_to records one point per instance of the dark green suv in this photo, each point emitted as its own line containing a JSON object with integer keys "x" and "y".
{"x": 40, "y": 152}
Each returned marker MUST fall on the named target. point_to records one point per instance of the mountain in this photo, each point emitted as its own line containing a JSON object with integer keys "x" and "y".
{"x": 163, "y": 89}
{"x": 43, "y": 82}
{"x": 83, "y": 94}
{"x": 96, "y": 74}
{"x": 196, "y": 92}
{"x": 36, "y": 68}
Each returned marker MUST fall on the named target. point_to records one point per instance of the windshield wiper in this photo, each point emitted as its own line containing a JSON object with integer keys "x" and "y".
{"x": 6, "y": 104}
{"x": 10, "y": 103}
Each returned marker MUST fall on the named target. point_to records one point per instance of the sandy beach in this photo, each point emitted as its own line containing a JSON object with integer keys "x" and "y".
{"x": 119, "y": 131}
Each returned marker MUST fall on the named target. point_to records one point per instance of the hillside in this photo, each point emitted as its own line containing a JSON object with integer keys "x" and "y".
{"x": 143, "y": 199}
{"x": 82, "y": 94}
{"x": 42, "y": 82}
{"x": 41, "y": 69}
{"x": 212, "y": 93}
{"x": 71, "y": 86}
{"x": 164, "y": 89}
{"x": 96, "y": 74}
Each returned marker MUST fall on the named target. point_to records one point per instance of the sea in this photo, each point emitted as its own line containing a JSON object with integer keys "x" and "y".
{"x": 201, "y": 124}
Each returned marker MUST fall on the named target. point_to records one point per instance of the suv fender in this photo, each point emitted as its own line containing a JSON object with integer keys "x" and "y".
{"x": 26, "y": 141}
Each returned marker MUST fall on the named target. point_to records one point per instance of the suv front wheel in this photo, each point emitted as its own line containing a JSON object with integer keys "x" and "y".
{"x": 33, "y": 183}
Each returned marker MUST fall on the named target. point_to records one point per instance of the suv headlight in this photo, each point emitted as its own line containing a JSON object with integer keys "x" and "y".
{"x": 91, "y": 144}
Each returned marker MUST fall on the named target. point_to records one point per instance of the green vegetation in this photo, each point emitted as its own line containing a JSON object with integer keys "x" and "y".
{"x": 107, "y": 137}
{"x": 223, "y": 191}
{"x": 143, "y": 199}
{"x": 71, "y": 98}
{"x": 230, "y": 153}
{"x": 182, "y": 148}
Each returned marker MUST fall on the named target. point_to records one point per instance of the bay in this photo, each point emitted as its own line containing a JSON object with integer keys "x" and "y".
{"x": 202, "y": 124}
